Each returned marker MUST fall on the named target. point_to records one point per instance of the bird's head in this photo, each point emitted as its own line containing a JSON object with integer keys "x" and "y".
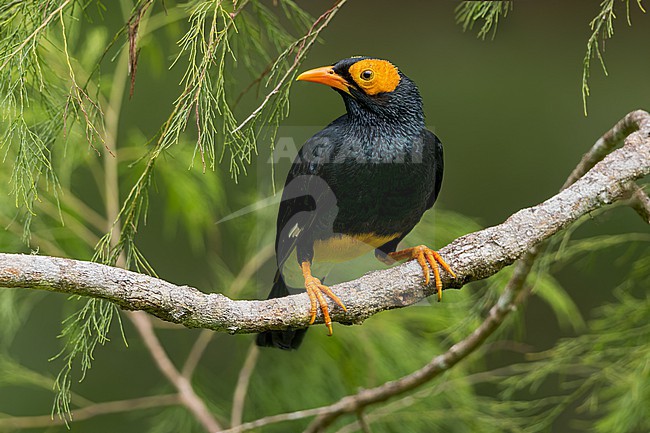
{"x": 370, "y": 85}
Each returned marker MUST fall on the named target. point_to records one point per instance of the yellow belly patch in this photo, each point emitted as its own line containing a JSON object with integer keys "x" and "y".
{"x": 340, "y": 248}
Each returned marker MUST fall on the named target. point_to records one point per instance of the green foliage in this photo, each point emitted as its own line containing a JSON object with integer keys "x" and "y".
{"x": 210, "y": 58}
{"x": 602, "y": 28}
{"x": 36, "y": 110}
{"x": 469, "y": 13}
{"x": 605, "y": 370}
{"x": 82, "y": 332}
{"x": 488, "y": 13}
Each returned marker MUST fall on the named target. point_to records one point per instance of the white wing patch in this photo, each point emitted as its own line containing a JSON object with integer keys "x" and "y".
{"x": 295, "y": 231}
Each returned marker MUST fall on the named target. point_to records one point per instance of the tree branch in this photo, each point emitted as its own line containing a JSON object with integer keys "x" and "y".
{"x": 513, "y": 295}
{"x": 90, "y": 411}
{"x": 474, "y": 256}
{"x": 632, "y": 122}
{"x": 507, "y": 302}
{"x": 354, "y": 403}
{"x": 638, "y": 199}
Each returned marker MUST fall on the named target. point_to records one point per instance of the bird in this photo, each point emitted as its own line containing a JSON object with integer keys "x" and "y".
{"x": 360, "y": 184}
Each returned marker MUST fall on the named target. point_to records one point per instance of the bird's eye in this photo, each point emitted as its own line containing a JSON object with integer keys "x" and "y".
{"x": 367, "y": 75}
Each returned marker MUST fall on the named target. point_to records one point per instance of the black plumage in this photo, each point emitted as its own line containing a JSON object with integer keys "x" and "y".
{"x": 368, "y": 176}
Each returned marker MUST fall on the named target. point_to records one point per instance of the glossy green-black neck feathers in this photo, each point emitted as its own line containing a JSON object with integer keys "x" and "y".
{"x": 399, "y": 111}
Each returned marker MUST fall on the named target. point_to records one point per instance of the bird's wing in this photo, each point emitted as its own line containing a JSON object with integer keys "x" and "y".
{"x": 306, "y": 193}
{"x": 432, "y": 150}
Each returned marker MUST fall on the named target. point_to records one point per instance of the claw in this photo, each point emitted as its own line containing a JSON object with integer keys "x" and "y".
{"x": 426, "y": 257}
{"x": 315, "y": 290}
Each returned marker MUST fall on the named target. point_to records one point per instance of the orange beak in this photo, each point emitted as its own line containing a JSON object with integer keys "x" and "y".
{"x": 327, "y": 76}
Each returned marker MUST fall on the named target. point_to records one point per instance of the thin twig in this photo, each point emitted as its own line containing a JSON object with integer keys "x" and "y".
{"x": 198, "y": 348}
{"x": 79, "y": 95}
{"x": 633, "y": 121}
{"x": 443, "y": 386}
{"x": 257, "y": 81}
{"x": 245, "y": 274}
{"x": 45, "y": 22}
{"x": 239, "y": 397}
{"x": 274, "y": 419}
{"x": 308, "y": 40}
{"x": 438, "y": 365}
{"x": 186, "y": 393}
{"x": 111, "y": 184}
{"x": 363, "y": 424}
{"x": 133, "y": 25}
{"x": 507, "y": 302}
{"x": 90, "y": 411}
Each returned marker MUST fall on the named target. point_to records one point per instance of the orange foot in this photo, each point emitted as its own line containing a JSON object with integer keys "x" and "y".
{"x": 424, "y": 255}
{"x": 315, "y": 290}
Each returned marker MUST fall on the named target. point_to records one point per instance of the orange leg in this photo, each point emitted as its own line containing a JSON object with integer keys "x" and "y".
{"x": 424, "y": 255}
{"x": 315, "y": 290}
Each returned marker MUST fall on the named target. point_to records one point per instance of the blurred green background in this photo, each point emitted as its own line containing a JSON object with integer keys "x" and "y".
{"x": 509, "y": 113}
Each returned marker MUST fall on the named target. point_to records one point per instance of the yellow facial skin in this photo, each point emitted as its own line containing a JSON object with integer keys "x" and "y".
{"x": 375, "y": 76}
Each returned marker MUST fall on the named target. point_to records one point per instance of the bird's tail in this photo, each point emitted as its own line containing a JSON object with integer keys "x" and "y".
{"x": 287, "y": 339}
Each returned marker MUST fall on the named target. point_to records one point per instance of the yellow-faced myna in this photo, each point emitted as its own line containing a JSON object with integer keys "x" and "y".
{"x": 361, "y": 183}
